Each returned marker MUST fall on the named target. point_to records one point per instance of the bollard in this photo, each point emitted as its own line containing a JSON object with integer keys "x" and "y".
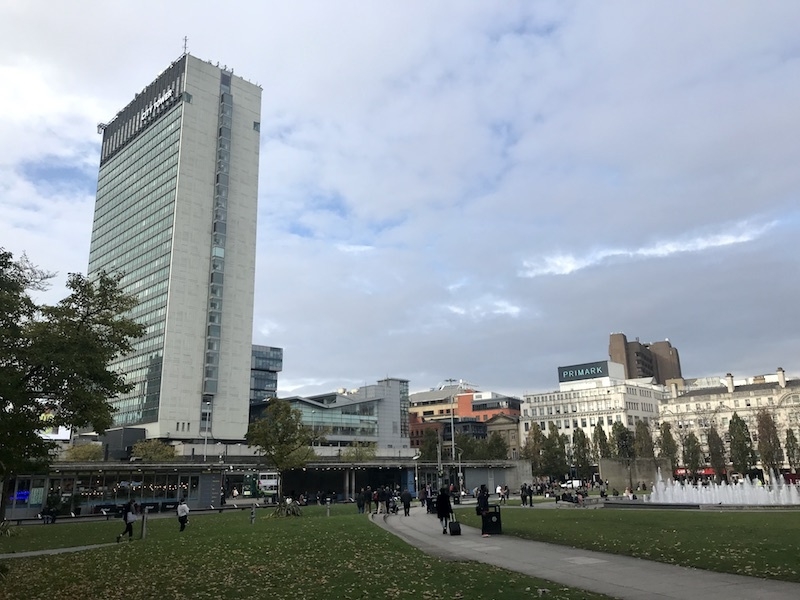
{"x": 328, "y": 506}
{"x": 144, "y": 522}
{"x": 252, "y": 515}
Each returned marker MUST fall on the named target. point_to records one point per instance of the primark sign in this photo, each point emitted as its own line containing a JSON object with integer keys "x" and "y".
{"x": 584, "y": 371}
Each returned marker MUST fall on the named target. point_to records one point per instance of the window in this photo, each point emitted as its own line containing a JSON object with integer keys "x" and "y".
{"x": 256, "y": 126}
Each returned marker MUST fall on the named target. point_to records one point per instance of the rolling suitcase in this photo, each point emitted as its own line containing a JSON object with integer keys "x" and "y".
{"x": 455, "y": 527}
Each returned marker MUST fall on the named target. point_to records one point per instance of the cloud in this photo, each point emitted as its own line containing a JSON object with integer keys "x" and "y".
{"x": 426, "y": 165}
{"x": 565, "y": 264}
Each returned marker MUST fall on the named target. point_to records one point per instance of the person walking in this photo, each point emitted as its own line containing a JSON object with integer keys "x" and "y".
{"x": 129, "y": 518}
{"x": 183, "y": 514}
{"x": 483, "y": 507}
{"x": 360, "y": 501}
{"x": 368, "y": 500}
{"x": 444, "y": 509}
{"x": 405, "y": 498}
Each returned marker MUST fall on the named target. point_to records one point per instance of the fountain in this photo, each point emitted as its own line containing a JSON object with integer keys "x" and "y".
{"x": 745, "y": 492}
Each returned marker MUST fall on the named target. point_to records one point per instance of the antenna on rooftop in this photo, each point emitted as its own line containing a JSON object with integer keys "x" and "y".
{"x": 185, "y": 44}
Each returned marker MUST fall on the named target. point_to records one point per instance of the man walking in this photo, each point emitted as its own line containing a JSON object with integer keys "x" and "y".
{"x": 405, "y": 498}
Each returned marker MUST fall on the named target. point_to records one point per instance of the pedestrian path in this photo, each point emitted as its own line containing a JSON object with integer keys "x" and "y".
{"x": 52, "y": 551}
{"x": 617, "y": 576}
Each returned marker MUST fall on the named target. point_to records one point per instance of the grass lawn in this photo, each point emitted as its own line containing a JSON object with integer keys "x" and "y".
{"x": 223, "y": 556}
{"x": 759, "y": 543}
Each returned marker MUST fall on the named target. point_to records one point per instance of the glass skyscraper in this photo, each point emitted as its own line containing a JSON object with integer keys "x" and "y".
{"x": 176, "y": 213}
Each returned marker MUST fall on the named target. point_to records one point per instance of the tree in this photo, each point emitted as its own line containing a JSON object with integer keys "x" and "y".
{"x": 153, "y": 451}
{"x": 359, "y": 452}
{"x": 85, "y": 453}
{"x": 496, "y": 447}
{"x": 282, "y": 438}
{"x": 600, "y": 445}
{"x": 54, "y": 360}
{"x": 429, "y": 448}
{"x": 581, "y": 454}
{"x": 554, "y": 454}
{"x": 716, "y": 453}
{"x": 622, "y": 441}
{"x": 667, "y": 446}
{"x": 769, "y": 443}
{"x": 532, "y": 450}
{"x": 643, "y": 441}
{"x": 692, "y": 453}
{"x": 742, "y": 455}
{"x": 468, "y": 446}
{"x": 792, "y": 450}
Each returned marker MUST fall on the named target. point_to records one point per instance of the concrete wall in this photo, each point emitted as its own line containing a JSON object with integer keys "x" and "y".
{"x": 621, "y": 475}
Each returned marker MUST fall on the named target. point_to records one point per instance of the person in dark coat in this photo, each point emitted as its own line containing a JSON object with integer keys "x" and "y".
{"x": 483, "y": 507}
{"x": 405, "y": 498}
{"x": 360, "y": 501}
{"x": 129, "y": 518}
{"x": 444, "y": 509}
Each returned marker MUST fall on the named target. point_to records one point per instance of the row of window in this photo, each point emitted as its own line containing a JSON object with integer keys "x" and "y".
{"x": 155, "y": 140}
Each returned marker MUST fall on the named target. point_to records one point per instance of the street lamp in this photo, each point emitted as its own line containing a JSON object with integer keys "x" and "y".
{"x": 206, "y": 425}
{"x": 415, "y": 458}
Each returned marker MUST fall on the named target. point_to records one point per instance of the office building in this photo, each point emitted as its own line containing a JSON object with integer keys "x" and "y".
{"x": 176, "y": 214}
{"x": 658, "y": 360}
{"x": 589, "y": 395}
{"x": 695, "y": 406}
{"x": 266, "y": 363}
{"x": 374, "y": 414}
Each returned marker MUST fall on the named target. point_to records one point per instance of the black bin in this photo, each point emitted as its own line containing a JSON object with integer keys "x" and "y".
{"x": 491, "y": 520}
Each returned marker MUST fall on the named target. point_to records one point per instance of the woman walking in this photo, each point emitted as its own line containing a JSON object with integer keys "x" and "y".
{"x": 443, "y": 508}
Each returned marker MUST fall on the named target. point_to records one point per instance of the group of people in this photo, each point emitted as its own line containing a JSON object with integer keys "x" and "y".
{"x": 383, "y": 499}
{"x": 131, "y": 512}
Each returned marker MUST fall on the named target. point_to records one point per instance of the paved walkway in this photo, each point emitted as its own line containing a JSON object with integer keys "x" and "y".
{"x": 617, "y": 576}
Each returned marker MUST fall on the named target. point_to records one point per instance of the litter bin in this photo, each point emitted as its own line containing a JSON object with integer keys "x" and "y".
{"x": 491, "y": 520}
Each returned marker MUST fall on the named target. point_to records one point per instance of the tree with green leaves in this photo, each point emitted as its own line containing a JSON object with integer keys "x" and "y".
{"x": 692, "y": 453}
{"x": 600, "y": 446}
{"x": 282, "y": 438}
{"x": 496, "y": 448}
{"x": 554, "y": 454}
{"x": 84, "y": 453}
{"x": 153, "y": 451}
{"x": 792, "y": 450}
{"x": 54, "y": 361}
{"x": 358, "y": 452}
{"x": 667, "y": 446}
{"x": 429, "y": 447}
{"x": 769, "y": 443}
{"x": 643, "y": 441}
{"x": 468, "y": 446}
{"x": 742, "y": 453}
{"x": 716, "y": 453}
{"x": 581, "y": 454}
{"x": 532, "y": 450}
{"x": 622, "y": 442}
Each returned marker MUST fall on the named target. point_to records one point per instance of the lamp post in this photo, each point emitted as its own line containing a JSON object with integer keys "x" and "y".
{"x": 460, "y": 473}
{"x": 415, "y": 458}
{"x": 206, "y": 423}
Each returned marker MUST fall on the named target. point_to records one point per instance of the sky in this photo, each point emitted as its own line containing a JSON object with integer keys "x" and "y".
{"x": 479, "y": 191}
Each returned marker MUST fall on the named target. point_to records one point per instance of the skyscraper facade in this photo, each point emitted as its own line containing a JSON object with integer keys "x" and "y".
{"x": 176, "y": 213}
